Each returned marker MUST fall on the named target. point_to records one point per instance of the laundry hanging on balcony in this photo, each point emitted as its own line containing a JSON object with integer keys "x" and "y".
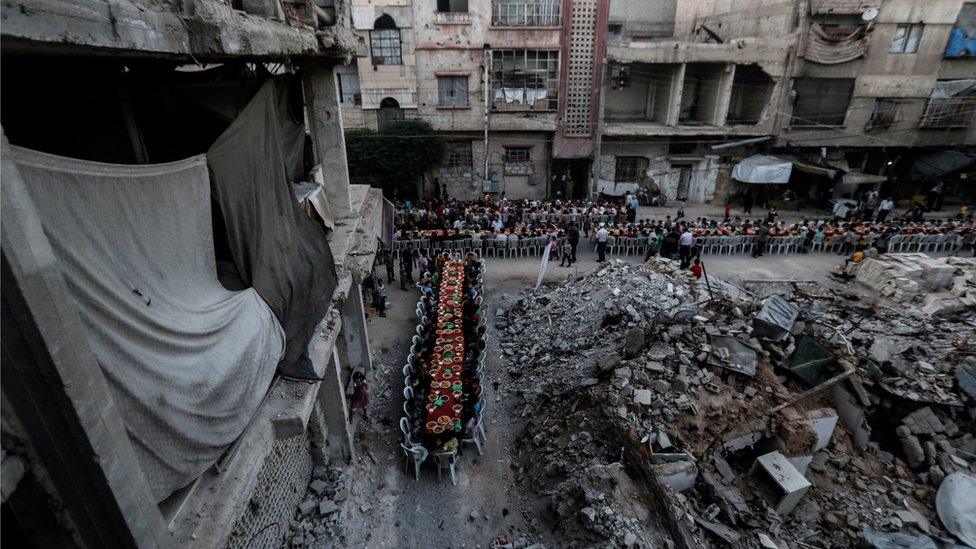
{"x": 277, "y": 249}
{"x": 187, "y": 361}
{"x": 834, "y": 45}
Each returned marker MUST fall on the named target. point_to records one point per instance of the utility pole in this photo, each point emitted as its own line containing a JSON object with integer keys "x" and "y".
{"x": 597, "y": 162}
{"x": 487, "y": 80}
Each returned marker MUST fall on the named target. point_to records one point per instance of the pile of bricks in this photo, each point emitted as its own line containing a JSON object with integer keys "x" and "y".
{"x": 944, "y": 286}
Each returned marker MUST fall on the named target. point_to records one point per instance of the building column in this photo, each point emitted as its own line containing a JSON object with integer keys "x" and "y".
{"x": 724, "y": 95}
{"x": 674, "y": 101}
{"x": 329, "y": 142}
{"x": 335, "y": 411}
{"x": 354, "y": 349}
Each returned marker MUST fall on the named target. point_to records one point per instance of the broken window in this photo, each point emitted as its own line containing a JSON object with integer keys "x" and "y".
{"x": 962, "y": 38}
{"x": 906, "y": 38}
{"x": 452, "y": 91}
{"x": 384, "y": 42}
{"x": 630, "y": 169}
{"x": 349, "y": 93}
{"x": 699, "y": 95}
{"x": 639, "y": 92}
{"x": 950, "y": 105}
{"x": 452, "y": 6}
{"x": 615, "y": 30}
{"x": 525, "y": 13}
{"x": 458, "y": 155}
{"x": 751, "y": 90}
{"x": 821, "y": 101}
{"x": 525, "y": 79}
{"x": 885, "y": 113}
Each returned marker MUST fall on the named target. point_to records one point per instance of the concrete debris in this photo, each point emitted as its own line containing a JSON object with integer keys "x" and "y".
{"x": 940, "y": 287}
{"x": 328, "y": 488}
{"x": 676, "y": 389}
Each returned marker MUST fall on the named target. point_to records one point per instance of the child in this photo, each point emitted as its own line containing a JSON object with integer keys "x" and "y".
{"x": 696, "y": 269}
{"x": 360, "y": 393}
{"x": 567, "y": 253}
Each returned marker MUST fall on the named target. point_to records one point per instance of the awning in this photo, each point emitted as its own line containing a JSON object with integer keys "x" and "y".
{"x": 938, "y": 163}
{"x": 763, "y": 169}
{"x": 858, "y": 178}
{"x": 768, "y": 169}
{"x": 830, "y": 48}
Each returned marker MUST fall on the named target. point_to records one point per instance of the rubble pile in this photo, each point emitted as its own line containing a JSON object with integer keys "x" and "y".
{"x": 320, "y": 518}
{"x": 810, "y": 418}
{"x": 941, "y": 287}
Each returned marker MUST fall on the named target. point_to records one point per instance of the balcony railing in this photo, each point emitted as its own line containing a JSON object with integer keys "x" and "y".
{"x": 525, "y": 13}
{"x": 450, "y": 17}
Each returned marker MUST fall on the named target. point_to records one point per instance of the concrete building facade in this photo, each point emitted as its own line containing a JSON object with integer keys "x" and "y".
{"x": 860, "y": 90}
{"x": 70, "y": 473}
{"x": 644, "y": 93}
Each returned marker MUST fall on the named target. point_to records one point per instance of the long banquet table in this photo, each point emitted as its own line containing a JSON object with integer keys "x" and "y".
{"x": 446, "y": 360}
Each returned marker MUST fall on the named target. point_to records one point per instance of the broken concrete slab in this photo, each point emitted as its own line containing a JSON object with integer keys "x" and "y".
{"x": 791, "y": 482}
{"x": 775, "y": 320}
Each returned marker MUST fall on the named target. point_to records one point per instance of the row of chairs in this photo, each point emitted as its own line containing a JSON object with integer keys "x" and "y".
{"x": 743, "y": 244}
{"x": 414, "y": 451}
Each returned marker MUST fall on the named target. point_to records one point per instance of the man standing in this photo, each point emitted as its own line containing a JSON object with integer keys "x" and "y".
{"x": 388, "y": 262}
{"x": 760, "y": 241}
{"x": 870, "y": 203}
{"x": 681, "y": 210}
{"x": 684, "y": 247}
{"x": 572, "y": 236}
{"x": 601, "y": 243}
{"x": 406, "y": 267}
{"x": 885, "y": 208}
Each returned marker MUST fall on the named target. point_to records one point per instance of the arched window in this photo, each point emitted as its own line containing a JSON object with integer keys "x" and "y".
{"x": 389, "y": 112}
{"x": 384, "y": 41}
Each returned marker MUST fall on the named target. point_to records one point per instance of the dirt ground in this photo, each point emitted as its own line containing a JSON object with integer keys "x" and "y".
{"x": 388, "y": 508}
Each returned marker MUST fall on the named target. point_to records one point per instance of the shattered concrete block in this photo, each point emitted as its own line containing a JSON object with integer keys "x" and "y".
{"x": 327, "y": 507}
{"x": 318, "y": 486}
{"x": 609, "y": 362}
{"x": 791, "y": 482}
{"x": 306, "y": 506}
{"x": 643, "y": 396}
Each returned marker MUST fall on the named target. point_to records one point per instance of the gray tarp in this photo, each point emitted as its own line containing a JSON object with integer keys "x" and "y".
{"x": 188, "y": 361}
{"x": 762, "y": 168}
{"x": 277, "y": 249}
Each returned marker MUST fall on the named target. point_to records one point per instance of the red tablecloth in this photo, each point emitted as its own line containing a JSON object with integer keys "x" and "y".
{"x": 447, "y": 357}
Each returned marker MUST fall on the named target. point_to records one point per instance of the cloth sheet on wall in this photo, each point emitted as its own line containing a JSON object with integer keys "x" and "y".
{"x": 832, "y": 48}
{"x": 188, "y": 362}
{"x": 277, "y": 249}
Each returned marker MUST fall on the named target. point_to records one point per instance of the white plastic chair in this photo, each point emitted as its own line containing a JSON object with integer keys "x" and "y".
{"x": 408, "y": 393}
{"x": 405, "y": 429}
{"x": 407, "y": 371}
{"x": 445, "y": 460}
{"x": 418, "y": 454}
{"x": 475, "y": 438}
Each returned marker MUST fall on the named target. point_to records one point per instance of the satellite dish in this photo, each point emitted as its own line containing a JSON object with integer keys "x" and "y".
{"x": 869, "y": 14}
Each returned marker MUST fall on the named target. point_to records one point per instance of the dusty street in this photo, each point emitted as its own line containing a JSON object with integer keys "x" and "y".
{"x": 388, "y": 508}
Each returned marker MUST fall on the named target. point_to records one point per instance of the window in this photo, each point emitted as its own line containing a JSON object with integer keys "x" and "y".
{"x": 951, "y": 105}
{"x": 630, "y": 169}
{"x": 906, "y": 39}
{"x": 963, "y": 35}
{"x": 885, "y": 113}
{"x": 349, "y": 89}
{"x": 517, "y": 154}
{"x": 821, "y": 101}
{"x": 452, "y": 6}
{"x": 525, "y": 79}
{"x": 384, "y": 42}
{"x": 458, "y": 155}
{"x": 525, "y": 13}
{"x": 452, "y": 91}
{"x": 615, "y": 29}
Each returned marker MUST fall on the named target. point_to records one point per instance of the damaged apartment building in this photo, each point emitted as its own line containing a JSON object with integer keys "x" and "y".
{"x": 182, "y": 252}
{"x": 570, "y": 99}
{"x": 844, "y": 93}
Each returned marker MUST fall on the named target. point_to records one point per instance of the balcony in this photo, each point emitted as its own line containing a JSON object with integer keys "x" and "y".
{"x": 452, "y": 18}
{"x": 525, "y": 13}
